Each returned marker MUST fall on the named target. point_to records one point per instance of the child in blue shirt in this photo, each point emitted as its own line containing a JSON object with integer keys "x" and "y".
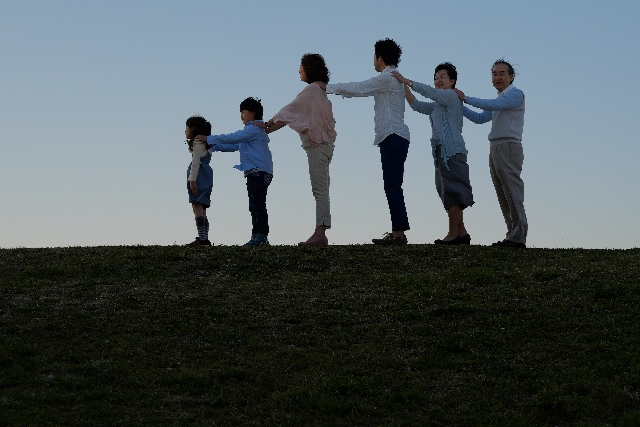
{"x": 255, "y": 161}
{"x": 199, "y": 177}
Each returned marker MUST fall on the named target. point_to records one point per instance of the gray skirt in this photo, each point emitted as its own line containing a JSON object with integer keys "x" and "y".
{"x": 452, "y": 184}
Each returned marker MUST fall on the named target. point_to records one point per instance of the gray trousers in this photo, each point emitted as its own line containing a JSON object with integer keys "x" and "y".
{"x": 319, "y": 157}
{"x": 505, "y": 166}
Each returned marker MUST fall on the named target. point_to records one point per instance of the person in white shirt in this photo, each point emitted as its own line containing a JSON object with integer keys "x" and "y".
{"x": 391, "y": 134}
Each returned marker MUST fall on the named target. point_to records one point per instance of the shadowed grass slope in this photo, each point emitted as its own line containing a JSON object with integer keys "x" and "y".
{"x": 341, "y": 336}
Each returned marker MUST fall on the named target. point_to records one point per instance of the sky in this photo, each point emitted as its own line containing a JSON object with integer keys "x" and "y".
{"x": 94, "y": 97}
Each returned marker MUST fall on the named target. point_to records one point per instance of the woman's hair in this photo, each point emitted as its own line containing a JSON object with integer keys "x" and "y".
{"x": 315, "y": 68}
{"x": 450, "y": 69}
{"x": 512, "y": 72}
{"x": 389, "y": 51}
{"x": 200, "y": 127}
{"x": 253, "y": 105}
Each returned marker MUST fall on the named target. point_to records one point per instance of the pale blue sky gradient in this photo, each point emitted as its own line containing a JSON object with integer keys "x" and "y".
{"x": 94, "y": 96}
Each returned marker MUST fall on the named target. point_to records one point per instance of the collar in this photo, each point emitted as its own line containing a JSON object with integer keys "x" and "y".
{"x": 510, "y": 87}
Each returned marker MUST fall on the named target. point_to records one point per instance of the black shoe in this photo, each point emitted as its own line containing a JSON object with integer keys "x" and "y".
{"x": 509, "y": 244}
{"x": 464, "y": 240}
{"x": 200, "y": 242}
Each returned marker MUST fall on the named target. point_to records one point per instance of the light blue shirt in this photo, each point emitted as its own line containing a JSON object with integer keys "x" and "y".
{"x": 445, "y": 115}
{"x": 253, "y": 144}
{"x": 506, "y": 113}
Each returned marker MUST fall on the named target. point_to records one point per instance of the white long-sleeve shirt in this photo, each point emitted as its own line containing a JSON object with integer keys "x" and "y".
{"x": 388, "y": 96}
{"x": 199, "y": 150}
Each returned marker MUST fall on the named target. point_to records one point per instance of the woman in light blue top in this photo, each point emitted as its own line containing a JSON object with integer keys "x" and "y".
{"x": 447, "y": 144}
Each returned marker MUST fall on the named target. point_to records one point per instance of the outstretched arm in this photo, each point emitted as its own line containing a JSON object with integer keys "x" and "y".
{"x": 476, "y": 117}
{"x": 512, "y": 99}
{"x": 438, "y": 95}
{"x": 230, "y": 141}
{"x": 272, "y": 126}
{"x": 365, "y": 88}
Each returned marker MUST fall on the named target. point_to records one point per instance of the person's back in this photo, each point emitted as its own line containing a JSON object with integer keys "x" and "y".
{"x": 389, "y": 106}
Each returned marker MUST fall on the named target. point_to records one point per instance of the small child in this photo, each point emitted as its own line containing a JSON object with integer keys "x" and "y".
{"x": 255, "y": 161}
{"x": 199, "y": 177}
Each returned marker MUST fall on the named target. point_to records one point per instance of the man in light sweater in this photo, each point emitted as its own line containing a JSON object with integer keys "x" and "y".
{"x": 506, "y": 113}
{"x": 391, "y": 134}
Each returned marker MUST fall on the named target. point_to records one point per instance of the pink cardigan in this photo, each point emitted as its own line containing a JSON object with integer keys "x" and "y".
{"x": 310, "y": 115}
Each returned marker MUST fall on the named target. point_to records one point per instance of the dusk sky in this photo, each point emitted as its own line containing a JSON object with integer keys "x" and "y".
{"x": 94, "y": 97}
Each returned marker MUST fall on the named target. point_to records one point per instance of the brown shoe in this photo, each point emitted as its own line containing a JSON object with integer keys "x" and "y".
{"x": 320, "y": 242}
{"x": 388, "y": 239}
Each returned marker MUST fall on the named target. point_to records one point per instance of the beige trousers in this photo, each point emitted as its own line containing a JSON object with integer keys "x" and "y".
{"x": 319, "y": 157}
{"x": 505, "y": 166}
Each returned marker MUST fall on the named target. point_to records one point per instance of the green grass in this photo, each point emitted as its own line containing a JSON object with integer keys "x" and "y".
{"x": 337, "y": 336}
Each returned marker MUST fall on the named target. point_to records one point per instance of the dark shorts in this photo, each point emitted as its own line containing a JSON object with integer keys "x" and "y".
{"x": 452, "y": 184}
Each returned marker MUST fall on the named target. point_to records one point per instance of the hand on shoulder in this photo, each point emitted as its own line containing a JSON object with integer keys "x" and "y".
{"x": 461, "y": 94}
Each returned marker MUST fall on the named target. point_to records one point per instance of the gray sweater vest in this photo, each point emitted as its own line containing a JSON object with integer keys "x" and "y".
{"x": 507, "y": 125}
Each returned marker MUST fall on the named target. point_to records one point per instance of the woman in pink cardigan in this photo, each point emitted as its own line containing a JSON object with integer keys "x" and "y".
{"x": 310, "y": 114}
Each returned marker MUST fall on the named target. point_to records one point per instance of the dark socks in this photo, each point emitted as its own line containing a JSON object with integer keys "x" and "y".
{"x": 206, "y": 227}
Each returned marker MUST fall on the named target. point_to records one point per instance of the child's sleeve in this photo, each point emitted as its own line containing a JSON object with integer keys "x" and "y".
{"x": 230, "y": 141}
{"x": 199, "y": 150}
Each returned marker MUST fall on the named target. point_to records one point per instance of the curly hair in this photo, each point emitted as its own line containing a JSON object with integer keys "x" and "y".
{"x": 200, "y": 126}
{"x": 389, "y": 51}
{"x": 450, "y": 69}
{"x": 315, "y": 69}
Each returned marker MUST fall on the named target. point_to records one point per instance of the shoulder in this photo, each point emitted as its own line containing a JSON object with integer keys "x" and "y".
{"x": 311, "y": 88}
{"x": 514, "y": 92}
{"x": 386, "y": 75}
{"x": 450, "y": 93}
{"x": 254, "y": 130}
{"x": 199, "y": 147}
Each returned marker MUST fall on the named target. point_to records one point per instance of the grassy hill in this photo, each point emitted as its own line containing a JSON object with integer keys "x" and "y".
{"x": 341, "y": 336}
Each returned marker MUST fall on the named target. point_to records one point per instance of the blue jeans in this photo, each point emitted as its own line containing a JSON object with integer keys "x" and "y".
{"x": 393, "y": 153}
{"x": 257, "y": 184}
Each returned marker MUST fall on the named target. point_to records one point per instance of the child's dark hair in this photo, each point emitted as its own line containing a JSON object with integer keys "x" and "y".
{"x": 450, "y": 69}
{"x": 252, "y": 105}
{"x": 315, "y": 69}
{"x": 512, "y": 72}
{"x": 389, "y": 51}
{"x": 201, "y": 127}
